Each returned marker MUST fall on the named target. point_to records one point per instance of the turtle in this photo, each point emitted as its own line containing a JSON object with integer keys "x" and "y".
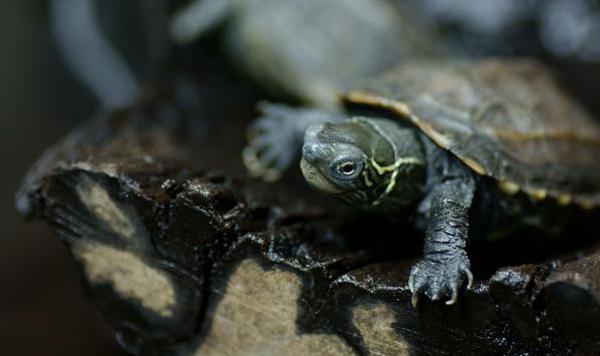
{"x": 309, "y": 50}
{"x": 463, "y": 149}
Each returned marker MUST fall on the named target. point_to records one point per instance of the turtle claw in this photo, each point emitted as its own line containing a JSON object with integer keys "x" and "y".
{"x": 414, "y": 300}
{"x": 470, "y": 279}
{"x": 439, "y": 280}
{"x": 256, "y": 168}
{"x": 454, "y": 297}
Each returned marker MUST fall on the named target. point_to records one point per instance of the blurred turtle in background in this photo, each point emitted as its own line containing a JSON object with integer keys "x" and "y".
{"x": 310, "y": 49}
{"x": 578, "y": 34}
{"x": 566, "y": 29}
{"x": 90, "y": 55}
{"x": 114, "y": 48}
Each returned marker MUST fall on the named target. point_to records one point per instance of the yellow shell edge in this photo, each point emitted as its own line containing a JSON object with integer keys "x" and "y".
{"x": 509, "y": 187}
{"x": 586, "y": 204}
{"x": 471, "y": 163}
{"x": 564, "y": 199}
{"x": 537, "y": 194}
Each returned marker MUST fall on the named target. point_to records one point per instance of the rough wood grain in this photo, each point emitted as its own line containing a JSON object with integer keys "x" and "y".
{"x": 181, "y": 259}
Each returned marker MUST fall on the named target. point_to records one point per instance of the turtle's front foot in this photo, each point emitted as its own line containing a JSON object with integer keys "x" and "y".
{"x": 273, "y": 142}
{"x": 440, "y": 279}
{"x": 275, "y": 139}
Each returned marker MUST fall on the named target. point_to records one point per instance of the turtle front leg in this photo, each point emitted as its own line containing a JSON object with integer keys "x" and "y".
{"x": 445, "y": 266}
{"x": 275, "y": 139}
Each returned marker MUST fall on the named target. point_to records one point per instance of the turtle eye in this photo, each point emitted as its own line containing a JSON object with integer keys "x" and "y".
{"x": 346, "y": 168}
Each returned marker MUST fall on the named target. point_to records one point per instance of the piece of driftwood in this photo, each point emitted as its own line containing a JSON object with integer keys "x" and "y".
{"x": 183, "y": 260}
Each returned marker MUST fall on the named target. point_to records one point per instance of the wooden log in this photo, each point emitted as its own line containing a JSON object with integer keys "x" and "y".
{"x": 182, "y": 259}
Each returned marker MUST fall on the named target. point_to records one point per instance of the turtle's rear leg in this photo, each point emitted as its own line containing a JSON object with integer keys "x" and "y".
{"x": 275, "y": 138}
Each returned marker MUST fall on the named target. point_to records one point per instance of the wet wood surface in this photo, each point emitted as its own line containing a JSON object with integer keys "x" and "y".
{"x": 181, "y": 258}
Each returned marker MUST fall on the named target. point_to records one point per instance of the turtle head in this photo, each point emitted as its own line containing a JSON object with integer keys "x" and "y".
{"x": 366, "y": 162}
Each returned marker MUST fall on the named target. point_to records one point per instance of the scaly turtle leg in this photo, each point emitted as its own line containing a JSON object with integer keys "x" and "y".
{"x": 445, "y": 266}
{"x": 275, "y": 139}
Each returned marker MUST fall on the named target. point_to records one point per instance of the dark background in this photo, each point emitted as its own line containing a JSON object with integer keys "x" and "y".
{"x": 43, "y": 309}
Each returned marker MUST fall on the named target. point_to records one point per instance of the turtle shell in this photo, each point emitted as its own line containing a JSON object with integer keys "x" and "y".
{"x": 506, "y": 119}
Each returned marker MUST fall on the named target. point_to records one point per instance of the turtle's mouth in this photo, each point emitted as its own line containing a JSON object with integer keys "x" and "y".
{"x": 314, "y": 178}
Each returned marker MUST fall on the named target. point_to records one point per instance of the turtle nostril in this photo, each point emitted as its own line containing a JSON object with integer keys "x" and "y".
{"x": 309, "y": 151}
{"x": 305, "y": 150}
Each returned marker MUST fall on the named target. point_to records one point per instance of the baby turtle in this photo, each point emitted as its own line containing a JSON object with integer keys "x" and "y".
{"x": 309, "y": 49}
{"x": 463, "y": 148}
